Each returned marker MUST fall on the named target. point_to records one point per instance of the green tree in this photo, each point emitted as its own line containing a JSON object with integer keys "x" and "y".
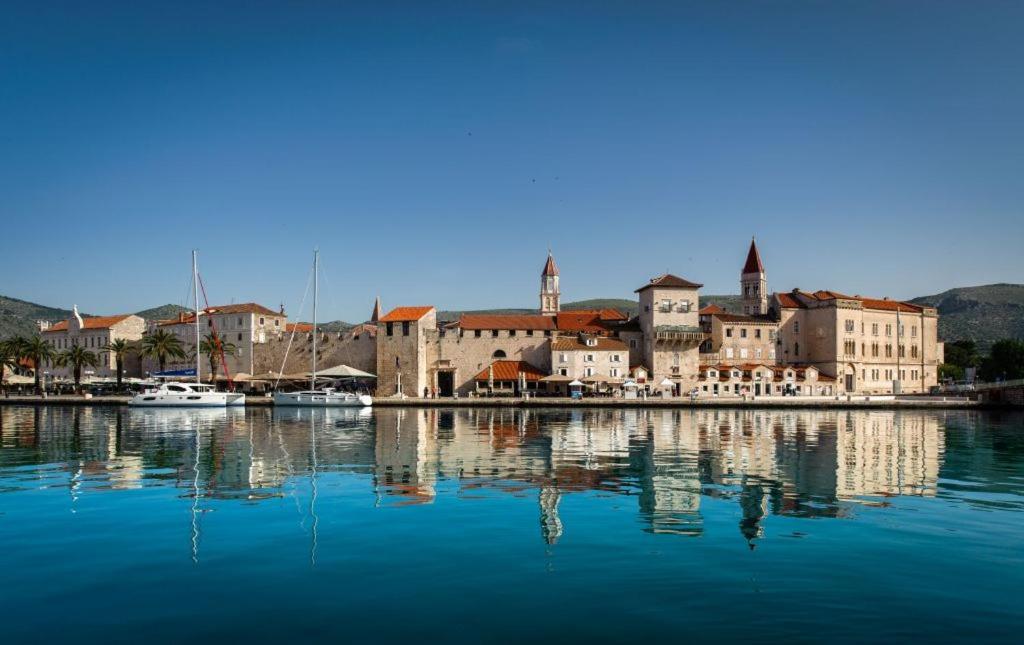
{"x": 1005, "y": 361}
{"x": 10, "y": 353}
{"x": 162, "y": 345}
{"x": 951, "y": 371}
{"x": 76, "y": 358}
{"x": 39, "y": 352}
{"x": 120, "y": 348}
{"x": 212, "y": 346}
{"x": 962, "y": 353}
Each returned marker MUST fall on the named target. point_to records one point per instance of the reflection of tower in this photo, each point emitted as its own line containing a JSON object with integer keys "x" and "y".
{"x": 550, "y": 522}
{"x": 754, "y": 506}
{"x": 670, "y": 482}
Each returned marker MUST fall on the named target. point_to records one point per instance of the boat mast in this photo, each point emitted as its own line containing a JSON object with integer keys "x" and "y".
{"x": 316, "y": 293}
{"x": 195, "y": 289}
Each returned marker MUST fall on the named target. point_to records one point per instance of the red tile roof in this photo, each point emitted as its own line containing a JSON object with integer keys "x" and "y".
{"x": 793, "y": 300}
{"x": 711, "y": 309}
{"x": 93, "y": 322}
{"x": 743, "y": 318}
{"x": 298, "y": 328}
{"x": 575, "y": 344}
{"x": 669, "y": 280}
{"x": 753, "y": 263}
{"x": 241, "y": 308}
{"x": 550, "y": 268}
{"x": 581, "y": 321}
{"x": 510, "y": 370}
{"x": 406, "y": 314}
{"x": 507, "y": 321}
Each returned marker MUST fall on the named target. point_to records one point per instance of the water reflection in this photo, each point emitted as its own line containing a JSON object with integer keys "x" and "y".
{"x": 814, "y": 464}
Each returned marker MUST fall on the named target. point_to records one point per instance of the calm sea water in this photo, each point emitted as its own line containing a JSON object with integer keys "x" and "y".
{"x": 502, "y": 525}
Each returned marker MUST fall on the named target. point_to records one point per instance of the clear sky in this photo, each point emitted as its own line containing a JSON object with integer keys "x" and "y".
{"x": 433, "y": 151}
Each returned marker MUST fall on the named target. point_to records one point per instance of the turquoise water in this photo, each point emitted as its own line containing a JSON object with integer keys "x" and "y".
{"x": 502, "y": 525}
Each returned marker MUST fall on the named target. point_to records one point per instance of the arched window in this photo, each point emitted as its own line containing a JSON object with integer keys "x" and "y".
{"x": 498, "y": 354}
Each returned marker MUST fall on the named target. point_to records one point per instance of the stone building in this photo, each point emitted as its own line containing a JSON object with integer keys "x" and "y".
{"x": 869, "y": 345}
{"x": 820, "y": 343}
{"x": 245, "y": 326}
{"x": 94, "y": 333}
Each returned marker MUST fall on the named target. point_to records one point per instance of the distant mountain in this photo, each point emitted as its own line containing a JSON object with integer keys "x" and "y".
{"x": 18, "y": 317}
{"x": 983, "y": 314}
{"x": 163, "y": 312}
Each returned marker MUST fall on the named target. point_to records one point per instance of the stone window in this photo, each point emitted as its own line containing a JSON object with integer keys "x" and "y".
{"x": 405, "y": 328}
{"x": 588, "y": 371}
{"x": 849, "y": 326}
{"x": 728, "y": 332}
{"x": 476, "y": 333}
{"x": 796, "y": 326}
{"x": 588, "y": 358}
{"x": 757, "y": 333}
{"x": 529, "y": 332}
{"x": 389, "y": 329}
{"x": 511, "y": 332}
{"x": 563, "y": 358}
{"x": 743, "y": 332}
{"x": 494, "y": 333}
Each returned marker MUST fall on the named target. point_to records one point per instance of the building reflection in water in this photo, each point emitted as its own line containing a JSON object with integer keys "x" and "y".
{"x": 800, "y": 463}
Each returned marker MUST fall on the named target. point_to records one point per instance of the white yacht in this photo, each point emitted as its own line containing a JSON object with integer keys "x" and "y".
{"x": 323, "y": 397}
{"x": 184, "y": 394}
{"x": 326, "y": 397}
{"x": 191, "y": 395}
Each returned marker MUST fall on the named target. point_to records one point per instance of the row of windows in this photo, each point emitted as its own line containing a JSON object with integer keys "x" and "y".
{"x": 745, "y": 353}
{"x": 850, "y": 349}
{"x": 851, "y": 326}
{"x": 589, "y": 358}
{"x": 96, "y": 342}
{"x": 876, "y": 374}
{"x": 743, "y": 333}
{"x": 589, "y": 371}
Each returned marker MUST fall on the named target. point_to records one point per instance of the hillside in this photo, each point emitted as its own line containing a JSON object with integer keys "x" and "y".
{"x": 18, "y": 317}
{"x": 983, "y": 314}
{"x": 163, "y": 312}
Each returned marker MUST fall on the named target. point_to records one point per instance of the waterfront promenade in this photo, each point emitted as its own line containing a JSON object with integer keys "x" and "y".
{"x": 808, "y": 402}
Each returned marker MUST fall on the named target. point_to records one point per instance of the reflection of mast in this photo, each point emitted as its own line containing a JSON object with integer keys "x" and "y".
{"x": 312, "y": 498}
{"x": 550, "y": 522}
{"x": 195, "y": 502}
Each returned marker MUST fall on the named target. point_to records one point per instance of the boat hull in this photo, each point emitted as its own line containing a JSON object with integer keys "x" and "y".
{"x": 322, "y": 399}
{"x": 184, "y": 400}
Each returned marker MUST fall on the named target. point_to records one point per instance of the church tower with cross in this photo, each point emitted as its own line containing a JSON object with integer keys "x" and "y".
{"x": 550, "y": 296}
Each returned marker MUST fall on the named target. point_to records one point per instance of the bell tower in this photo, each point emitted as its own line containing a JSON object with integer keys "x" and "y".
{"x": 754, "y": 283}
{"x": 549, "y": 294}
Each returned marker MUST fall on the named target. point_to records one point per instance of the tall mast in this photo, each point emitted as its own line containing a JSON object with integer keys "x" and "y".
{"x": 316, "y": 294}
{"x": 195, "y": 293}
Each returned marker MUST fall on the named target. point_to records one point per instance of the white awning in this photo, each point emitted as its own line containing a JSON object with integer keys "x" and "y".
{"x": 343, "y": 371}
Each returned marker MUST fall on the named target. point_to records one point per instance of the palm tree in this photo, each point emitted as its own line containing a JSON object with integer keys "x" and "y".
{"x": 212, "y": 346}
{"x": 162, "y": 345}
{"x": 38, "y": 351}
{"x": 119, "y": 348}
{"x": 76, "y": 358}
{"x": 10, "y": 353}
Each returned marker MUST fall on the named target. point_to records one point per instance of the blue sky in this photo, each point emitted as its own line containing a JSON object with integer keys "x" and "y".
{"x": 433, "y": 151}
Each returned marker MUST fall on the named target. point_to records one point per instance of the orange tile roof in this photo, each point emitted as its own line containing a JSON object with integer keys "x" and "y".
{"x": 406, "y": 314}
{"x": 711, "y": 309}
{"x": 510, "y": 370}
{"x": 93, "y": 322}
{"x": 791, "y": 301}
{"x": 298, "y": 328}
{"x": 575, "y": 344}
{"x": 507, "y": 321}
{"x": 669, "y": 280}
{"x": 242, "y": 308}
{"x": 753, "y": 263}
{"x": 581, "y": 321}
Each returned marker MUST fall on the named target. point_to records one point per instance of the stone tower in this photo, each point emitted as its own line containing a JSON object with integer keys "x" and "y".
{"x": 549, "y": 293}
{"x": 754, "y": 283}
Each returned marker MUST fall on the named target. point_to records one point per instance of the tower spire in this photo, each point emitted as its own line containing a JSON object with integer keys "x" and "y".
{"x": 754, "y": 283}
{"x": 375, "y": 316}
{"x": 549, "y": 292}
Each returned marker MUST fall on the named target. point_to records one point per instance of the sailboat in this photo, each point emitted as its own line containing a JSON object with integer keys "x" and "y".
{"x": 184, "y": 393}
{"x": 323, "y": 397}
